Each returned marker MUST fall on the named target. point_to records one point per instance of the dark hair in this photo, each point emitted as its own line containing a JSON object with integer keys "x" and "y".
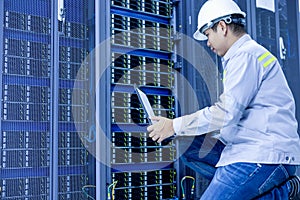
{"x": 236, "y": 28}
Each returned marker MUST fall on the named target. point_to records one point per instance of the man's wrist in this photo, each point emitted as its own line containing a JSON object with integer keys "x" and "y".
{"x": 177, "y": 125}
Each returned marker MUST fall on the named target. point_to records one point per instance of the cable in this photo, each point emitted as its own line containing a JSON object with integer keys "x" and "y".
{"x": 182, "y": 188}
{"x": 111, "y": 192}
{"x": 85, "y": 192}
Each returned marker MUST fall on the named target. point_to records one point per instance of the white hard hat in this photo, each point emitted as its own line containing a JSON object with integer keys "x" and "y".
{"x": 214, "y": 11}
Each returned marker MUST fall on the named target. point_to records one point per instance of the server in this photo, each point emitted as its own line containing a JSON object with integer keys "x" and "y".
{"x": 141, "y": 56}
{"x": 28, "y": 148}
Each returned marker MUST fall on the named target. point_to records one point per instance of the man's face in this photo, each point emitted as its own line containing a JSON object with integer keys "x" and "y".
{"x": 217, "y": 40}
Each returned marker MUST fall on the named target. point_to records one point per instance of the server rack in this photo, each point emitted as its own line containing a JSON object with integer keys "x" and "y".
{"x": 74, "y": 159}
{"x": 25, "y": 106}
{"x": 143, "y": 30}
{"x": 42, "y": 156}
{"x": 140, "y": 50}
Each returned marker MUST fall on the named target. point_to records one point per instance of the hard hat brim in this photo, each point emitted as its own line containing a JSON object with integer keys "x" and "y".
{"x": 199, "y": 36}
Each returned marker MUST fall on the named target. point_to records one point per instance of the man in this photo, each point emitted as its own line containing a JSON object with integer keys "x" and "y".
{"x": 258, "y": 148}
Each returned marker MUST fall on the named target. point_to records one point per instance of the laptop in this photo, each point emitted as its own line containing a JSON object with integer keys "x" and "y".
{"x": 145, "y": 103}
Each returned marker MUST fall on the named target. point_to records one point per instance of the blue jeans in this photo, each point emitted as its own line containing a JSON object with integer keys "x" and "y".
{"x": 239, "y": 180}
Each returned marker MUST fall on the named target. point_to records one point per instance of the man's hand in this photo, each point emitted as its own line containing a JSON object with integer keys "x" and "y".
{"x": 161, "y": 129}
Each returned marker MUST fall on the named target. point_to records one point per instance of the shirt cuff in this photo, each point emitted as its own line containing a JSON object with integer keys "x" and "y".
{"x": 177, "y": 124}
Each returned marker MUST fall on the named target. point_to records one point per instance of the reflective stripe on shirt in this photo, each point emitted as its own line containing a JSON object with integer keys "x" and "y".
{"x": 266, "y": 58}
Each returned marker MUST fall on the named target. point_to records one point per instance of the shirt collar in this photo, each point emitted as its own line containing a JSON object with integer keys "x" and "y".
{"x": 232, "y": 50}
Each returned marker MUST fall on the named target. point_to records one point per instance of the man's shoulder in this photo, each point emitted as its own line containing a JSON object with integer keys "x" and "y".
{"x": 252, "y": 48}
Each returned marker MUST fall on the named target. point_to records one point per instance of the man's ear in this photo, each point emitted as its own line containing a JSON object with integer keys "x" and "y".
{"x": 223, "y": 26}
